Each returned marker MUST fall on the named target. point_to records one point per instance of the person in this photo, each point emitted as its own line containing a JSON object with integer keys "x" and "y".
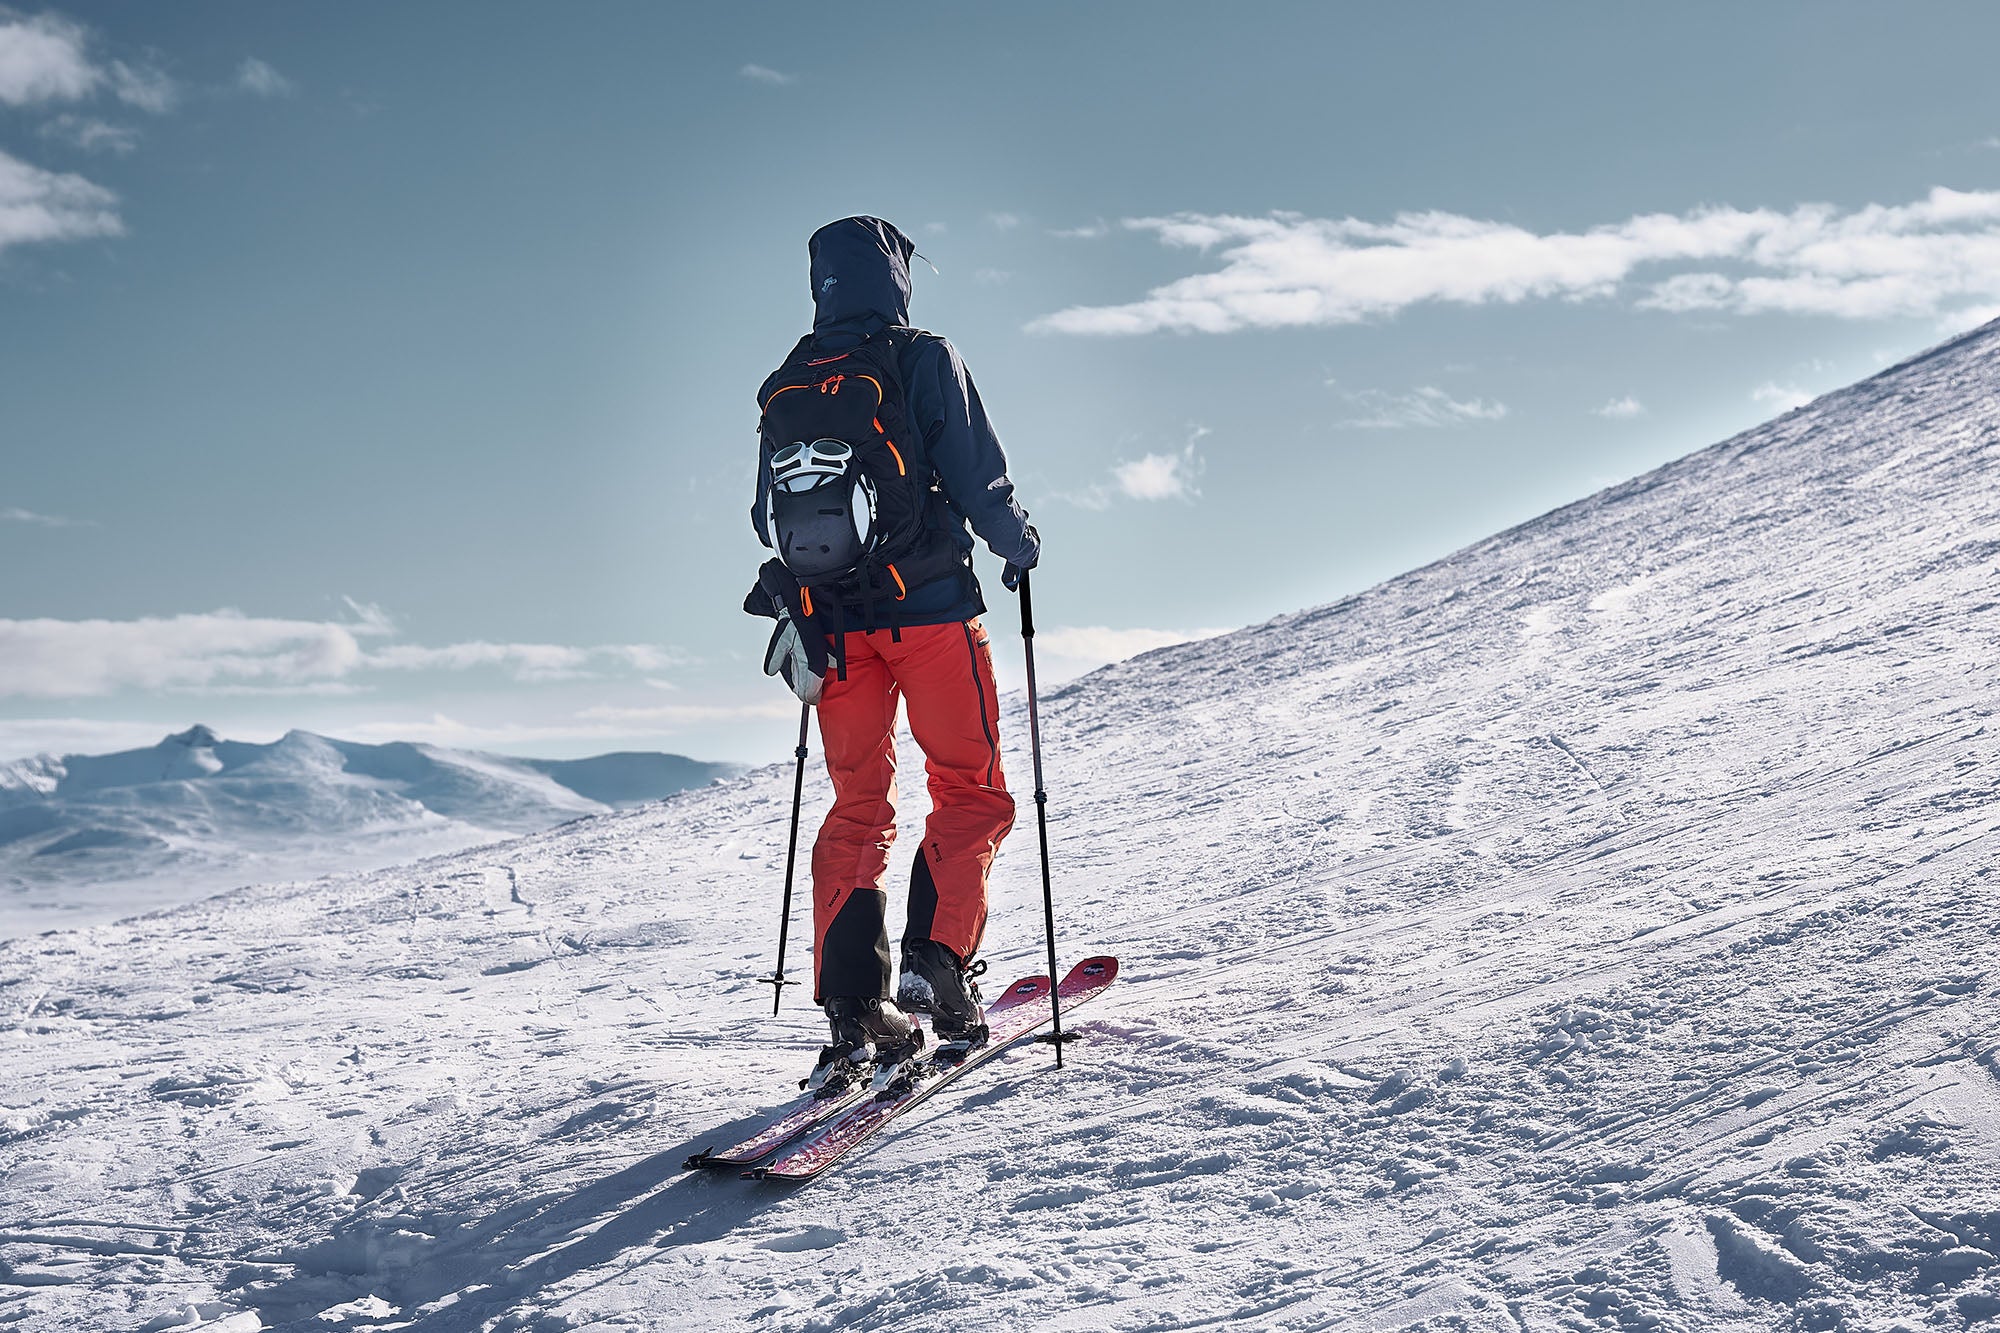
{"x": 917, "y": 639}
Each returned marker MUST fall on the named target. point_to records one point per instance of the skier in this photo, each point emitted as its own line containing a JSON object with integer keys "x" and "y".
{"x": 875, "y": 455}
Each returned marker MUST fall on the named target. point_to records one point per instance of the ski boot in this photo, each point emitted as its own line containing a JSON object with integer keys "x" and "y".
{"x": 936, "y": 982}
{"x": 897, "y": 1063}
{"x": 860, "y": 1029}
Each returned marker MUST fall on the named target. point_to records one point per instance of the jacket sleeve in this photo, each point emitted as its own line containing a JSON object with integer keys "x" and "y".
{"x": 967, "y": 454}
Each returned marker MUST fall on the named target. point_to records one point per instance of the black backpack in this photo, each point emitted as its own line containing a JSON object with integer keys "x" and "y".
{"x": 846, "y": 480}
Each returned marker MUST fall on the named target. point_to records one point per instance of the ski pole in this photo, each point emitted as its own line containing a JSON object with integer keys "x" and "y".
{"x": 777, "y": 981}
{"x": 1041, "y": 813}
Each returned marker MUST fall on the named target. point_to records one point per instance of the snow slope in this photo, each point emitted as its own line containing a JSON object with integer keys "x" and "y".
{"x": 86, "y": 838}
{"x": 1594, "y": 930}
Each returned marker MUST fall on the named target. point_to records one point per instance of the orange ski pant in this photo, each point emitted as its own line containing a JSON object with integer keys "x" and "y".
{"x": 943, "y": 674}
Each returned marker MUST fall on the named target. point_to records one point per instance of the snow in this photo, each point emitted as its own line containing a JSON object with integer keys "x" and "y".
{"x": 86, "y": 838}
{"x": 1594, "y": 930}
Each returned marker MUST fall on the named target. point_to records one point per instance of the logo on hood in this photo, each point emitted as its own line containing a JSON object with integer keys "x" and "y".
{"x": 828, "y": 285}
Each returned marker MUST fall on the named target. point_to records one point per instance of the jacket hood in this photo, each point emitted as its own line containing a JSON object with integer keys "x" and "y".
{"x": 860, "y": 270}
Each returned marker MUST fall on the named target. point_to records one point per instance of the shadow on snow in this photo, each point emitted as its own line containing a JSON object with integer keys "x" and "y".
{"x": 516, "y": 1257}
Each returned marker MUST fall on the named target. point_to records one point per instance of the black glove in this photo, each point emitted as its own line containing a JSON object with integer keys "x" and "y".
{"x": 1010, "y": 577}
{"x": 763, "y": 599}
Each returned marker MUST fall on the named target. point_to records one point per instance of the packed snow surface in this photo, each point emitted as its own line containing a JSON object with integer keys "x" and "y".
{"x": 86, "y": 838}
{"x": 1594, "y": 930}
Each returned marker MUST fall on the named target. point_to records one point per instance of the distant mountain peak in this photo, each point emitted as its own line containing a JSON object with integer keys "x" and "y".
{"x": 198, "y": 809}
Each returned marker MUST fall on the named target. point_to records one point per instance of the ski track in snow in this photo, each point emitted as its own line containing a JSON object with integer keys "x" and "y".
{"x": 1594, "y": 930}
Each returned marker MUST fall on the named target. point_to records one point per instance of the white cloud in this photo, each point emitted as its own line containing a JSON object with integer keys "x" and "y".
{"x": 1094, "y": 231}
{"x": 55, "y": 659}
{"x": 148, "y": 89}
{"x": 1160, "y": 476}
{"x": 1153, "y": 476}
{"x": 526, "y": 662}
{"x": 991, "y": 277}
{"x": 1971, "y": 317}
{"x": 369, "y": 619}
{"x": 1287, "y": 270}
{"x": 647, "y": 657}
{"x": 257, "y": 77}
{"x": 18, "y": 515}
{"x": 38, "y": 205}
{"x": 42, "y": 59}
{"x": 766, "y": 75}
{"x": 45, "y": 59}
{"x": 1620, "y": 409}
{"x": 1783, "y": 397}
{"x": 1689, "y": 291}
{"x": 90, "y": 134}
{"x": 1003, "y": 221}
{"x": 1424, "y": 408}
{"x": 227, "y": 652}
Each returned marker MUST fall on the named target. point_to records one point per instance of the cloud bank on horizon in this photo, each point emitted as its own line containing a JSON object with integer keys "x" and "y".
{"x": 1938, "y": 256}
{"x": 226, "y": 651}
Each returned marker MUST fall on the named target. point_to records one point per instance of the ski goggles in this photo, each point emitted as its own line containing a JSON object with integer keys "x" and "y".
{"x": 810, "y": 463}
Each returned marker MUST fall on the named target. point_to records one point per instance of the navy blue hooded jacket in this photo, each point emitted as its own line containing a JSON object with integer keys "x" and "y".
{"x": 861, "y": 284}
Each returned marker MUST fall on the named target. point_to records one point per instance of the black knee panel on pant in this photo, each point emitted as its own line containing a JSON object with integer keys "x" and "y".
{"x": 854, "y": 959}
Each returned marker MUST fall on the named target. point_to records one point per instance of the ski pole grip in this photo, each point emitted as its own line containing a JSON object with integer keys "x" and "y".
{"x": 1027, "y": 608}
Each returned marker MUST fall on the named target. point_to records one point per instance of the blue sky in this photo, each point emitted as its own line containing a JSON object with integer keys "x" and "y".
{"x": 387, "y": 370}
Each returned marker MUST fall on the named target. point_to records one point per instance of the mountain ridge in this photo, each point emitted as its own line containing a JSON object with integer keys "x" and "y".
{"x": 196, "y": 812}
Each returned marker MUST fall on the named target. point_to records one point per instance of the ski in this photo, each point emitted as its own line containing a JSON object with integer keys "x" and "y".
{"x": 794, "y": 1119}
{"x": 810, "y": 1111}
{"x": 1020, "y": 1010}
